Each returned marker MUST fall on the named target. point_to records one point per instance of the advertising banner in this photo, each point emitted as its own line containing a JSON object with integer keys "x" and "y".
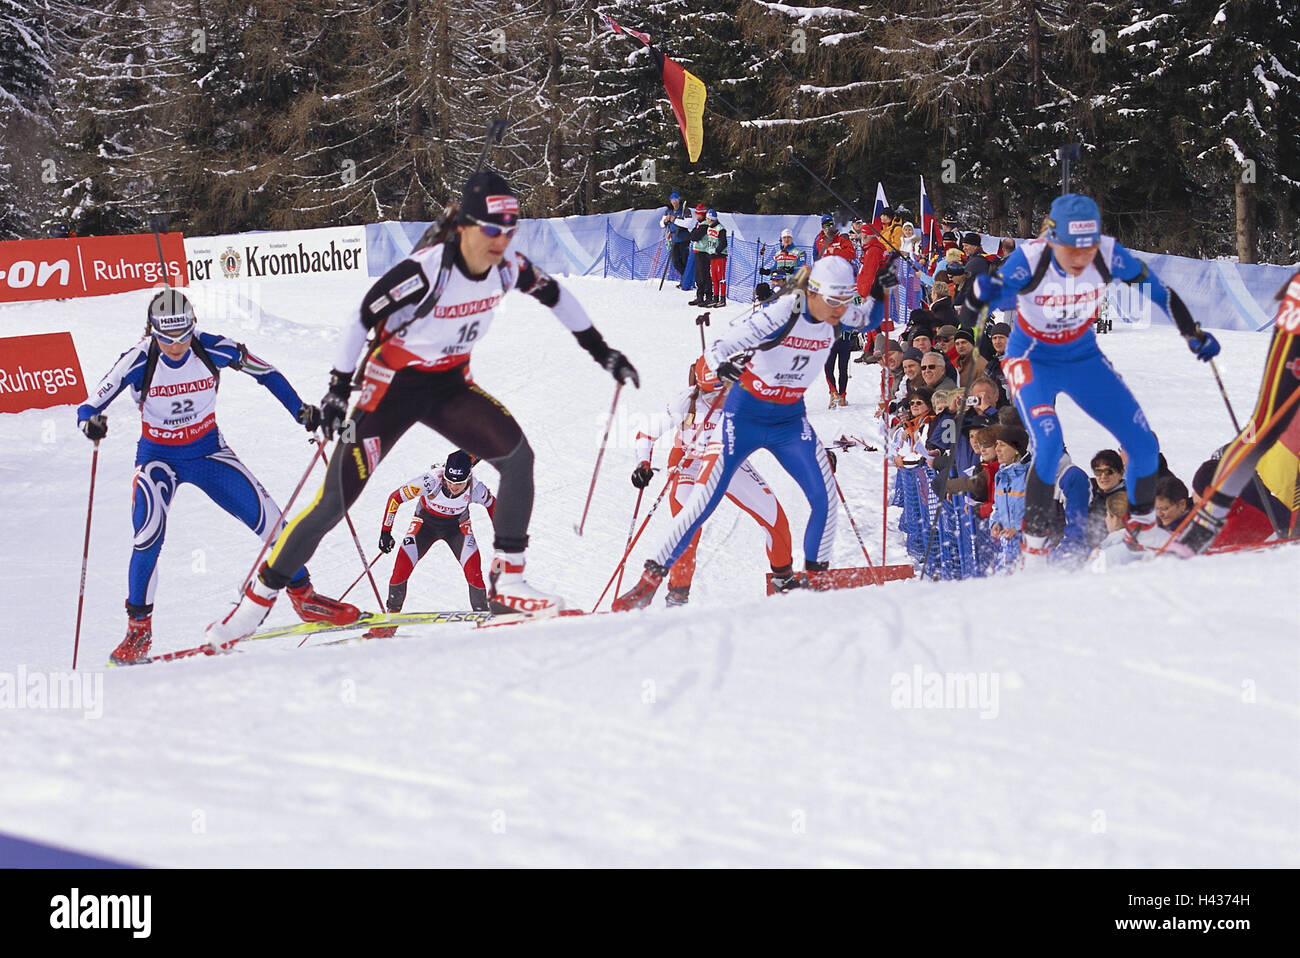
{"x": 296, "y": 255}
{"x": 87, "y": 266}
{"x": 40, "y": 371}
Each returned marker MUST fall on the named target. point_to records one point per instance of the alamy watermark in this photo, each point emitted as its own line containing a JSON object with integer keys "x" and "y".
{"x": 945, "y": 690}
{"x": 78, "y": 691}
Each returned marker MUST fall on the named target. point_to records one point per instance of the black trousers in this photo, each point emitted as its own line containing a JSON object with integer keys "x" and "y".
{"x": 449, "y": 405}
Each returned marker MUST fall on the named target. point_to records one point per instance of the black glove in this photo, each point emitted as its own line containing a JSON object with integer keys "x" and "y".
{"x": 310, "y": 417}
{"x": 386, "y": 541}
{"x": 730, "y": 371}
{"x": 334, "y": 404}
{"x": 616, "y": 364}
{"x": 942, "y": 461}
{"x": 642, "y": 475}
{"x": 96, "y": 427}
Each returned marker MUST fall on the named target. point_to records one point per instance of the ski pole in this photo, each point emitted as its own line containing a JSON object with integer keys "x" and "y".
{"x": 668, "y": 256}
{"x": 600, "y": 455}
{"x": 361, "y": 552}
{"x": 85, "y": 553}
{"x": 849, "y": 512}
{"x": 1214, "y": 487}
{"x": 622, "y": 565}
{"x": 628, "y": 551}
{"x": 701, "y": 321}
{"x": 1255, "y": 480}
{"x": 274, "y": 531}
{"x": 360, "y": 577}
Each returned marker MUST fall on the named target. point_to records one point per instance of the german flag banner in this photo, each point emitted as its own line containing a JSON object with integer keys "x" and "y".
{"x": 685, "y": 91}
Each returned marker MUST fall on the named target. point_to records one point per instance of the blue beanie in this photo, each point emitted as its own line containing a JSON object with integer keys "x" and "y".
{"x": 1074, "y": 221}
{"x": 674, "y": 195}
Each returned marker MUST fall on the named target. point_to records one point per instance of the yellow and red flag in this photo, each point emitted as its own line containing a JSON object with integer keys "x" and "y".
{"x": 685, "y": 91}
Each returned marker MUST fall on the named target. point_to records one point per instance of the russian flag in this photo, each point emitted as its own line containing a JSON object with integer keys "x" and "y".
{"x": 881, "y": 203}
{"x": 931, "y": 238}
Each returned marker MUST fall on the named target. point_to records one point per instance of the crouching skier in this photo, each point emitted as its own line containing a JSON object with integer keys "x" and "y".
{"x": 445, "y": 493}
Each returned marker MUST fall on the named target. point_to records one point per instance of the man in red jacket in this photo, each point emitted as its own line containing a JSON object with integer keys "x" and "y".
{"x": 830, "y": 241}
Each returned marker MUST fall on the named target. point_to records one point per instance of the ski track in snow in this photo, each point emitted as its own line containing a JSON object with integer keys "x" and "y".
{"x": 1147, "y": 717}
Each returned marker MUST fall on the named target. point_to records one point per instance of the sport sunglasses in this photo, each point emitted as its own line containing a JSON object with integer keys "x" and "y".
{"x": 492, "y": 230}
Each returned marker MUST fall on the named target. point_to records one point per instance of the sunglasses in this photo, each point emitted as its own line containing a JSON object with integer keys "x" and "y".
{"x": 946, "y": 339}
{"x": 918, "y": 402}
{"x": 932, "y": 367}
{"x": 492, "y": 230}
{"x": 1104, "y": 472}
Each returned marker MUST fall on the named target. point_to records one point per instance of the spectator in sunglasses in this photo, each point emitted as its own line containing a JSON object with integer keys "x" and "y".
{"x": 1107, "y": 476}
{"x": 934, "y": 373}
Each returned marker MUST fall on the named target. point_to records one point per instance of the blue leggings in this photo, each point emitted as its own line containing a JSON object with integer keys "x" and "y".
{"x": 1092, "y": 382}
{"x": 746, "y": 426}
{"x": 226, "y": 481}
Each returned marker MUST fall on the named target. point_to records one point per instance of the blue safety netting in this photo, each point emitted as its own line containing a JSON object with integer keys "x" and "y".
{"x": 1219, "y": 293}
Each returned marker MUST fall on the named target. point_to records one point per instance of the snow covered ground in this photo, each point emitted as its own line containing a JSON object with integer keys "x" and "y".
{"x": 1147, "y": 717}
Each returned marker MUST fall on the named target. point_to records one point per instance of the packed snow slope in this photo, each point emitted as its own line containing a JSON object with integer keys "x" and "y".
{"x": 1145, "y": 717}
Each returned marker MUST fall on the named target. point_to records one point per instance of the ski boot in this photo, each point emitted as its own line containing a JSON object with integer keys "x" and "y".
{"x": 785, "y": 579}
{"x": 380, "y": 632}
{"x": 816, "y": 577}
{"x": 508, "y": 592}
{"x": 311, "y": 606}
{"x": 1198, "y": 536}
{"x": 835, "y": 400}
{"x": 1033, "y": 553}
{"x": 640, "y": 595}
{"x": 842, "y": 400}
{"x": 139, "y": 636}
{"x": 678, "y": 595}
{"x": 248, "y": 612}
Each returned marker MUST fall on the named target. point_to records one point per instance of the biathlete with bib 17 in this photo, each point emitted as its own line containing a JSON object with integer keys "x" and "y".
{"x": 775, "y": 354}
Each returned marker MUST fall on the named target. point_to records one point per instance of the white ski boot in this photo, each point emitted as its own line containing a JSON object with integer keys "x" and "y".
{"x": 1033, "y": 553}
{"x": 508, "y": 592}
{"x": 244, "y": 616}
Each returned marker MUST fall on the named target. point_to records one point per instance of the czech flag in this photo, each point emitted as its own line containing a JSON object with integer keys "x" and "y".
{"x": 685, "y": 91}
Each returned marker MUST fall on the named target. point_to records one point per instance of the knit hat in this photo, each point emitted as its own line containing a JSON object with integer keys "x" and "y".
{"x": 913, "y": 354}
{"x": 921, "y": 317}
{"x": 965, "y": 334}
{"x": 700, "y": 211}
{"x": 896, "y": 347}
{"x": 999, "y": 329}
{"x": 972, "y": 239}
{"x": 1015, "y": 437}
{"x": 488, "y": 198}
{"x": 1074, "y": 220}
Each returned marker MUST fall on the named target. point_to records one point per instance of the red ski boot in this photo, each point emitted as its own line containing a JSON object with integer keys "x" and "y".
{"x": 135, "y": 647}
{"x": 641, "y": 594}
{"x": 381, "y": 632}
{"x": 311, "y": 606}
